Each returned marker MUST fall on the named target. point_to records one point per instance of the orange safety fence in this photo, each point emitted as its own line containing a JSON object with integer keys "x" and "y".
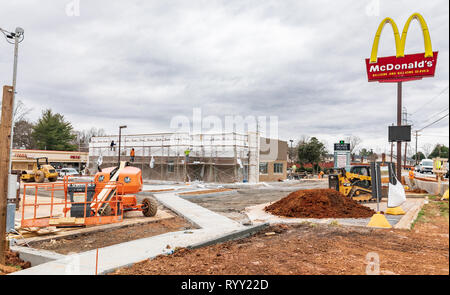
{"x": 46, "y": 206}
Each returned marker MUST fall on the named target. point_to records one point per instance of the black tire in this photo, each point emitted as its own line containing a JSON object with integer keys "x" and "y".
{"x": 39, "y": 177}
{"x": 52, "y": 179}
{"x": 149, "y": 207}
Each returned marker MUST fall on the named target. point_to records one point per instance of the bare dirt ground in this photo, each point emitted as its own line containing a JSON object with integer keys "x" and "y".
{"x": 13, "y": 263}
{"x": 233, "y": 205}
{"x": 311, "y": 249}
{"x": 111, "y": 237}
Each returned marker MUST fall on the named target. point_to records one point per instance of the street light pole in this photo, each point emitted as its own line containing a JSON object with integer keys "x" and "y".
{"x": 18, "y": 37}
{"x": 120, "y": 138}
{"x": 8, "y": 118}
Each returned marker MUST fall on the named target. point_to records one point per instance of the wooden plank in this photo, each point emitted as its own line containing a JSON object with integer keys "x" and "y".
{"x": 5, "y": 139}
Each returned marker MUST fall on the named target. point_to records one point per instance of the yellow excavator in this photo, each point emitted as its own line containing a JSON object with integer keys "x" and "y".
{"x": 356, "y": 184}
{"x": 40, "y": 172}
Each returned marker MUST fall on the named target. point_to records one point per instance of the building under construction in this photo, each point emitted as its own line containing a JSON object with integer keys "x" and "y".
{"x": 225, "y": 157}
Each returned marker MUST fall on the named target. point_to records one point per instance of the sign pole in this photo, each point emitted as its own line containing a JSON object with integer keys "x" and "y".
{"x": 399, "y": 123}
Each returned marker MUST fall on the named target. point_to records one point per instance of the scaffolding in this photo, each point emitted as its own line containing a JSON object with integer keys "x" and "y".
{"x": 218, "y": 157}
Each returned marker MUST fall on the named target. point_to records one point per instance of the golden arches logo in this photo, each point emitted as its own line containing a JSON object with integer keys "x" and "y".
{"x": 400, "y": 41}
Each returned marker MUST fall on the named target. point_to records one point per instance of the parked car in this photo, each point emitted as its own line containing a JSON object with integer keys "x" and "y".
{"x": 68, "y": 171}
{"x": 426, "y": 166}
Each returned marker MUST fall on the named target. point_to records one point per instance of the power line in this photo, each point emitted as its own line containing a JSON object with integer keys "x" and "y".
{"x": 433, "y": 122}
{"x": 434, "y": 115}
{"x": 433, "y": 98}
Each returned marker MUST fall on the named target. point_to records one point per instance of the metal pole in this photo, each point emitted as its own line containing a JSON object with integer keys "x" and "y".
{"x": 120, "y": 135}
{"x": 399, "y": 123}
{"x": 392, "y": 151}
{"x": 406, "y": 152}
{"x": 16, "y": 58}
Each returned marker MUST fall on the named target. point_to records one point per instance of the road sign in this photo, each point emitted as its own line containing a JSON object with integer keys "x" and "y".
{"x": 342, "y": 146}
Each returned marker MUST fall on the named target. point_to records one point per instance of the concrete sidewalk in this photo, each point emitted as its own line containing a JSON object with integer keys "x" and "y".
{"x": 213, "y": 227}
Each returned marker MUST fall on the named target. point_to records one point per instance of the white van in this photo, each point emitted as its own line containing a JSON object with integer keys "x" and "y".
{"x": 68, "y": 171}
{"x": 426, "y": 166}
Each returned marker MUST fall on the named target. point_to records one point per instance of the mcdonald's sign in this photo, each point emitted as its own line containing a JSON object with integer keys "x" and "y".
{"x": 401, "y": 67}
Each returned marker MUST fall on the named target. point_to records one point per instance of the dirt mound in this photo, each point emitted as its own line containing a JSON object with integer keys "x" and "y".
{"x": 417, "y": 191}
{"x": 13, "y": 263}
{"x": 318, "y": 203}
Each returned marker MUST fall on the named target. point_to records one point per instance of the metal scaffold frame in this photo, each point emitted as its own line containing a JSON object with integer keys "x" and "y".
{"x": 217, "y": 157}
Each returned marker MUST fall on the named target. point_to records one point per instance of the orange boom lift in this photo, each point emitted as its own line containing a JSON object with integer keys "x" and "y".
{"x": 113, "y": 192}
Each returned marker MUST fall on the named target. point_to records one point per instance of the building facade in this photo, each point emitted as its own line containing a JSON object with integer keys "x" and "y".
{"x": 222, "y": 158}
{"x": 273, "y": 160}
{"x": 26, "y": 159}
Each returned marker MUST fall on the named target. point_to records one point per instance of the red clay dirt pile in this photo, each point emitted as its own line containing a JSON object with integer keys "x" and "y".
{"x": 318, "y": 203}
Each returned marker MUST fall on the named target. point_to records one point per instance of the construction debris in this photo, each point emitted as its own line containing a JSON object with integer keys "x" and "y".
{"x": 318, "y": 203}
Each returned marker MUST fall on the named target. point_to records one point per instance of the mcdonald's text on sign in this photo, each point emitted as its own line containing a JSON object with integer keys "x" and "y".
{"x": 395, "y": 69}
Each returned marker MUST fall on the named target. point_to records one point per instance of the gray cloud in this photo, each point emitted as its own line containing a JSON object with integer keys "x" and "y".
{"x": 144, "y": 62}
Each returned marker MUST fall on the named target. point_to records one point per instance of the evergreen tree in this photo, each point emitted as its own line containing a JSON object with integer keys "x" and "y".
{"x": 52, "y": 132}
{"x": 312, "y": 151}
{"x": 439, "y": 151}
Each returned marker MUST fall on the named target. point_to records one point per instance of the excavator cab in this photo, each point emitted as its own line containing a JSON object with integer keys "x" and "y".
{"x": 356, "y": 184}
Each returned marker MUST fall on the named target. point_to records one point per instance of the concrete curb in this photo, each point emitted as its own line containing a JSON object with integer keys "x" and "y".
{"x": 429, "y": 186}
{"x": 239, "y": 234}
{"x": 35, "y": 256}
{"x": 407, "y": 220}
{"x": 216, "y": 194}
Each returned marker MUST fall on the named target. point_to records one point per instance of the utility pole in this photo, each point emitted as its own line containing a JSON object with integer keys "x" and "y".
{"x": 417, "y": 154}
{"x": 292, "y": 151}
{"x": 5, "y": 159}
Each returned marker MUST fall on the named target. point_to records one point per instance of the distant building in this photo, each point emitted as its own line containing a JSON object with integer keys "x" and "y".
{"x": 226, "y": 157}
{"x": 25, "y": 159}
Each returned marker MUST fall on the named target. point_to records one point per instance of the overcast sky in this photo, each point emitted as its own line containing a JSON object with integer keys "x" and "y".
{"x": 141, "y": 63}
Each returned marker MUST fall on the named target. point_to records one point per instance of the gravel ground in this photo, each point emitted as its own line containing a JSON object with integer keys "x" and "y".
{"x": 232, "y": 206}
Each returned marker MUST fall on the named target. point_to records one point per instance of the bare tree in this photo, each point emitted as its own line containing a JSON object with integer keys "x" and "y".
{"x": 20, "y": 111}
{"x": 84, "y": 137}
{"x": 354, "y": 141}
{"x": 23, "y": 138}
{"x": 427, "y": 148}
